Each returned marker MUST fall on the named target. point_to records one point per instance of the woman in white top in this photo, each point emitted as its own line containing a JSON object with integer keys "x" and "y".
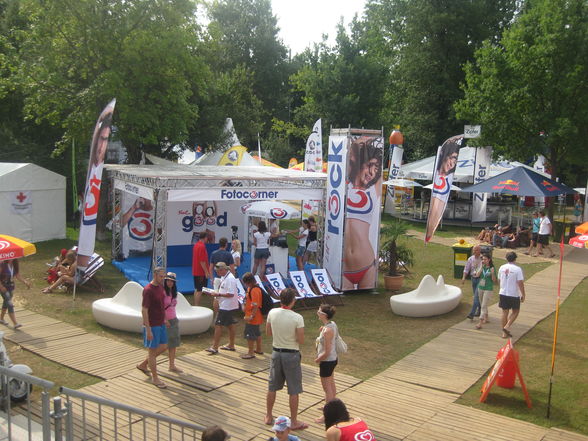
{"x": 261, "y": 242}
{"x": 327, "y": 351}
{"x": 301, "y": 237}
{"x": 236, "y": 253}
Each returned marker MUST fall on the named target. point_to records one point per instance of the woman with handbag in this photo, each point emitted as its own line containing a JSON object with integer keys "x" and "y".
{"x": 327, "y": 356}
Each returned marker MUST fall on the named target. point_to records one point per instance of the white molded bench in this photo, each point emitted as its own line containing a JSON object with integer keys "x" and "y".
{"x": 123, "y": 311}
{"x": 428, "y": 299}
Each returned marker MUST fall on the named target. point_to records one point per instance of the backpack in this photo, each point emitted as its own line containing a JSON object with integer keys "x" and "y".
{"x": 267, "y": 303}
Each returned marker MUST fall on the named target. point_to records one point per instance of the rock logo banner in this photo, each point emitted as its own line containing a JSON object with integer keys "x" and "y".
{"x": 313, "y": 158}
{"x": 93, "y": 182}
{"x": 445, "y": 165}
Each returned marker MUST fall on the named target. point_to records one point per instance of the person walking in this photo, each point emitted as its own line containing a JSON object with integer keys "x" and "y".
{"x": 154, "y": 325}
{"x": 544, "y": 233}
{"x": 512, "y": 292}
{"x": 9, "y": 272}
{"x": 472, "y": 267}
{"x": 485, "y": 286}
{"x": 327, "y": 356}
{"x": 200, "y": 270}
{"x": 286, "y": 328}
{"x": 173, "y": 331}
{"x": 253, "y": 317}
{"x": 342, "y": 427}
{"x": 534, "y": 232}
{"x": 228, "y": 303}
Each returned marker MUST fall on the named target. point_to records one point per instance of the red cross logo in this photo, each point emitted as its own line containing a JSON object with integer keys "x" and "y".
{"x": 21, "y": 197}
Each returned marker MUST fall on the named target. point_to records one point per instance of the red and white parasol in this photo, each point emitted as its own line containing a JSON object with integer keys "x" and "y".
{"x": 579, "y": 241}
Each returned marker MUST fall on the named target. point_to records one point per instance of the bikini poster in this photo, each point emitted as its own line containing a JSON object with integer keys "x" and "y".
{"x": 362, "y": 212}
{"x": 445, "y": 165}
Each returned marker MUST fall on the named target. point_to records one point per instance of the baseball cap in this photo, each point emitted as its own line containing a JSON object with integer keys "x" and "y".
{"x": 221, "y": 265}
{"x": 282, "y": 423}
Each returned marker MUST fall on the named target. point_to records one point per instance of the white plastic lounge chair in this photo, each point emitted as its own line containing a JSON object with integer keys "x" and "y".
{"x": 428, "y": 299}
{"x": 123, "y": 311}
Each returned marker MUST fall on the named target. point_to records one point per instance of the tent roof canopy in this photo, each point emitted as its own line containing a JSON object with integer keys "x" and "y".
{"x": 464, "y": 172}
{"x": 183, "y": 176}
{"x": 27, "y": 176}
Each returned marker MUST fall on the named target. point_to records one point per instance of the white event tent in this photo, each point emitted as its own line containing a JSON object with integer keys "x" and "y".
{"x": 32, "y": 202}
{"x": 464, "y": 172}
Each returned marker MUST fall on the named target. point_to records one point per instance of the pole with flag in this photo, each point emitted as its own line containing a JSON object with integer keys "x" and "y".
{"x": 89, "y": 213}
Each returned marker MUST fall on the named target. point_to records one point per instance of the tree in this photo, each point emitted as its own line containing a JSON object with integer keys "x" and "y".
{"x": 246, "y": 34}
{"x": 425, "y": 43}
{"x": 79, "y": 54}
{"x": 529, "y": 92}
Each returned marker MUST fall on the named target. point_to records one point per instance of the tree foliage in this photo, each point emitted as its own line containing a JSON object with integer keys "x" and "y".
{"x": 534, "y": 83}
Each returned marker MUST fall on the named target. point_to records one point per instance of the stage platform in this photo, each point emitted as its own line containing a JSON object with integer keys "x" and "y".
{"x": 138, "y": 269}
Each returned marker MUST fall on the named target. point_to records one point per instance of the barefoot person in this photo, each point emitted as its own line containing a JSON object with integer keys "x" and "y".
{"x": 154, "y": 325}
{"x": 286, "y": 327}
{"x": 327, "y": 352}
{"x": 9, "y": 272}
{"x": 173, "y": 331}
{"x": 66, "y": 272}
{"x": 512, "y": 292}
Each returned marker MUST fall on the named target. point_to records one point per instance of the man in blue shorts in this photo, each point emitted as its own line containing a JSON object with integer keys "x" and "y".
{"x": 154, "y": 325}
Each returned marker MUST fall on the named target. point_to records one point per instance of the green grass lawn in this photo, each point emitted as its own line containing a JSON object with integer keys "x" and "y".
{"x": 376, "y": 337}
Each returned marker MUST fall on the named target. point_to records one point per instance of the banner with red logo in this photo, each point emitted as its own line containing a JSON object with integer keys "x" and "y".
{"x": 362, "y": 212}
{"x": 445, "y": 165}
{"x": 137, "y": 223}
{"x": 21, "y": 202}
{"x": 335, "y": 209}
{"x": 313, "y": 158}
{"x": 93, "y": 183}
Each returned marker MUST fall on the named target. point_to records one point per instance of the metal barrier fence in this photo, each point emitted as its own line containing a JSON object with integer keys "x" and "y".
{"x": 77, "y": 415}
{"x": 8, "y": 379}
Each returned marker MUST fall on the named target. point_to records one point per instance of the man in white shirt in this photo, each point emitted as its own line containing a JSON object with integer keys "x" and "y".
{"x": 544, "y": 233}
{"x": 287, "y": 329}
{"x": 512, "y": 292}
{"x": 227, "y": 302}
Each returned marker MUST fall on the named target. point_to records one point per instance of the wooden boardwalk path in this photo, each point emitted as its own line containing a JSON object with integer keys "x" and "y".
{"x": 412, "y": 400}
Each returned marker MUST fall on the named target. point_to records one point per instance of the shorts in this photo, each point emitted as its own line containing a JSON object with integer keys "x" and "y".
{"x": 300, "y": 251}
{"x": 224, "y": 318}
{"x": 262, "y": 253}
{"x": 285, "y": 367}
{"x": 159, "y": 337}
{"x": 508, "y": 302}
{"x": 543, "y": 239}
{"x": 7, "y": 301}
{"x": 534, "y": 237}
{"x": 173, "y": 333}
{"x": 312, "y": 247}
{"x": 200, "y": 282}
{"x": 251, "y": 332}
{"x": 326, "y": 368}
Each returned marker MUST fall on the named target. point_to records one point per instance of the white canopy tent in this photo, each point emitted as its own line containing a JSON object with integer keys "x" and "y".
{"x": 32, "y": 202}
{"x": 423, "y": 168}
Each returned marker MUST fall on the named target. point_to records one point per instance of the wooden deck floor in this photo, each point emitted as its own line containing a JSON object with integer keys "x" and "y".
{"x": 412, "y": 400}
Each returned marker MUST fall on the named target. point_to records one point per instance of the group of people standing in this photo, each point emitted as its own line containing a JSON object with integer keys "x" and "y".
{"x": 307, "y": 242}
{"x": 483, "y": 276}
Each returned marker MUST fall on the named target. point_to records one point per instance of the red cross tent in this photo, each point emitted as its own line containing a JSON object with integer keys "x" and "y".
{"x": 32, "y": 202}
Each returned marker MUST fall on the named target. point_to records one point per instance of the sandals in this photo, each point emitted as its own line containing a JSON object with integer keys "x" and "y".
{"x": 247, "y": 356}
{"x": 507, "y": 332}
{"x": 18, "y": 325}
{"x": 3, "y": 322}
{"x": 227, "y": 348}
{"x": 258, "y": 352}
{"x": 144, "y": 370}
{"x": 211, "y": 350}
{"x": 160, "y": 385}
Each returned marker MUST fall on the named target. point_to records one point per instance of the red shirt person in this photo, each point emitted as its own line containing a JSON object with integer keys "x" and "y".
{"x": 200, "y": 269}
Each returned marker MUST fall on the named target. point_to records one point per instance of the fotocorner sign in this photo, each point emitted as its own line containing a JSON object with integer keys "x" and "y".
{"x": 244, "y": 194}
{"x": 134, "y": 189}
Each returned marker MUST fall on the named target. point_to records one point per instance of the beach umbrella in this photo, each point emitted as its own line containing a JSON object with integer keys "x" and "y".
{"x": 401, "y": 183}
{"x": 579, "y": 241}
{"x": 270, "y": 209}
{"x": 14, "y": 248}
{"x": 520, "y": 181}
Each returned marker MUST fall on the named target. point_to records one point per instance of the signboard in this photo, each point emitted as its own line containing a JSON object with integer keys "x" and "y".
{"x": 137, "y": 223}
{"x": 134, "y": 189}
{"x": 481, "y": 173}
{"x": 244, "y": 194}
{"x": 21, "y": 202}
{"x": 472, "y": 131}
